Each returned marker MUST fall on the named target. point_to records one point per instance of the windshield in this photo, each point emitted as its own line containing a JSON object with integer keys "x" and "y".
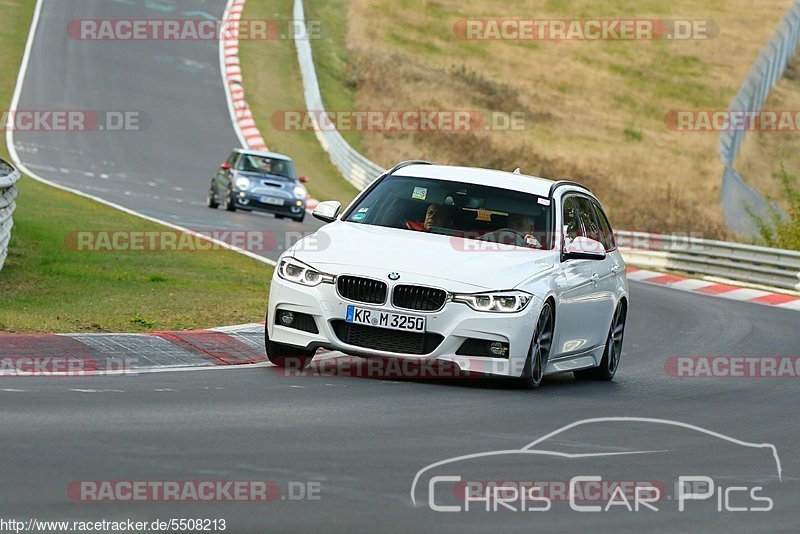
{"x": 470, "y": 211}
{"x": 274, "y": 166}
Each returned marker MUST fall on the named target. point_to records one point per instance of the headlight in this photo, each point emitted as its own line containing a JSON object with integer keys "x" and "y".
{"x": 298, "y": 272}
{"x": 242, "y": 183}
{"x": 498, "y": 302}
{"x": 300, "y": 191}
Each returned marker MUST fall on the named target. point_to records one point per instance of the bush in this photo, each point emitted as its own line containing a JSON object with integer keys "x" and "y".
{"x": 782, "y": 231}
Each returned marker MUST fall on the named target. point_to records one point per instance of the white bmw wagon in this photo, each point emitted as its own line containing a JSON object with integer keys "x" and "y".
{"x": 498, "y": 273}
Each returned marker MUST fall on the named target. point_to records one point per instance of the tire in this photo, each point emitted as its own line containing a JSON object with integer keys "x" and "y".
{"x": 301, "y": 218}
{"x": 230, "y": 205}
{"x": 279, "y": 216}
{"x": 612, "y": 351}
{"x": 212, "y": 198}
{"x": 539, "y": 352}
{"x": 287, "y": 356}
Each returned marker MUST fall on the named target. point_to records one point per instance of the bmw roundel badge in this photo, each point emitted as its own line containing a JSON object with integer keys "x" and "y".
{"x": 394, "y": 276}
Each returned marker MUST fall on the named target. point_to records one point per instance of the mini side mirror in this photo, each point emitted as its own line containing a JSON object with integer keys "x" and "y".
{"x": 225, "y": 166}
{"x": 327, "y": 211}
{"x": 303, "y": 179}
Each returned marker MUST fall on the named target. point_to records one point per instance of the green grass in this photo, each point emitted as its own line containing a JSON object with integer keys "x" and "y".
{"x": 45, "y": 286}
{"x": 632, "y": 134}
{"x": 264, "y": 62}
{"x": 48, "y": 286}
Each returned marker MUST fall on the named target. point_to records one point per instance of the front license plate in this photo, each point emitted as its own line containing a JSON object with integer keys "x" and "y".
{"x": 382, "y": 319}
{"x": 272, "y": 200}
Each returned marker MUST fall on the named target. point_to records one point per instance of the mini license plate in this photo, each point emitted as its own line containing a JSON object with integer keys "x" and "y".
{"x": 384, "y": 319}
{"x": 272, "y": 200}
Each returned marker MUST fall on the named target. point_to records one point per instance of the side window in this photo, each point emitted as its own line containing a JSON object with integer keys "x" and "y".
{"x": 572, "y": 223}
{"x": 606, "y": 233}
{"x": 586, "y": 214}
{"x": 232, "y": 159}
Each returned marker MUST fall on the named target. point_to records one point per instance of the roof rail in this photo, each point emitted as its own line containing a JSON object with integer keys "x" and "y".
{"x": 564, "y": 183}
{"x": 406, "y": 164}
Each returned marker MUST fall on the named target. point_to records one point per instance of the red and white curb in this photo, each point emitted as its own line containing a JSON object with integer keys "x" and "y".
{"x": 98, "y": 354}
{"x": 707, "y": 287}
{"x": 242, "y": 116}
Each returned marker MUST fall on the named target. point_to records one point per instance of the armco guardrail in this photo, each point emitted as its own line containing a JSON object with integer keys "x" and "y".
{"x": 8, "y": 195}
{"x": 734, "y": 261}
{"x": 355, "y": 168}
{"x": 757, "y": 265}
{"x": 767, "y": 71}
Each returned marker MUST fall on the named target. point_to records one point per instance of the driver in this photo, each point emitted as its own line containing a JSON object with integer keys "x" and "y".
{"x": 436, "y": 216}
{"x": 265, "y": 165}
{"x": 523, "y": 224}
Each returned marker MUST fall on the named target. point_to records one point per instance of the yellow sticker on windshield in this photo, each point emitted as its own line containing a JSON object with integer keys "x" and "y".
{"x": 420, "y": 193}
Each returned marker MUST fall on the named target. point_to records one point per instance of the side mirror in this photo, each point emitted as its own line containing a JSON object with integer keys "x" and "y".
{"x": 303, "y": 179}
{"x": 225, "y": 166}
{"x": 584, "y": 248}
{"x": 327, "y": 211}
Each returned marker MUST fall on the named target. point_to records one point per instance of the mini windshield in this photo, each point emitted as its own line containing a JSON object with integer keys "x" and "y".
{"x": 469, "y": 211}
{"x": 274, "y": 166}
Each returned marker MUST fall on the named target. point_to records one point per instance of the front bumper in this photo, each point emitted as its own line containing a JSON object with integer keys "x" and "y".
{"x": 291, "y": 207}
{"x": 455, "y": 323}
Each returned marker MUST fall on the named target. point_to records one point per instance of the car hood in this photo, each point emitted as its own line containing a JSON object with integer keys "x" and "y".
{"x": 264, "y": 176}
{"x": 373, "y": 250}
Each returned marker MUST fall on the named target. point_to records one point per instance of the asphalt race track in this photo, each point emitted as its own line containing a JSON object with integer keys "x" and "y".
{"x": 362, "y": 440}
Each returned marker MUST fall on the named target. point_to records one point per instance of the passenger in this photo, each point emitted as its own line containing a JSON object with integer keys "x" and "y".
{"x": 523, "y": 224}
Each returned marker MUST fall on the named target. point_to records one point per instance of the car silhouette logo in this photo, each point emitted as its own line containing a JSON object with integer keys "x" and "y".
{"x": 394, "y": 276}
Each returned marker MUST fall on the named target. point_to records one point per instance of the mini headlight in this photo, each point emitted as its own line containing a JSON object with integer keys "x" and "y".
{"x": 497, "y": 302}
{"x": 298, "y": 272}
{"x": 242, "y": 183}
{"x": 300, "y": 191}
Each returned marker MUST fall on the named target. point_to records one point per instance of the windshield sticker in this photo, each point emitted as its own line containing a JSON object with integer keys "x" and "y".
{"x": 420, "y": 193}
{"x": 544, "y": 201}
{"x": 363, "y": 210}
{"x": 360, "y": 216}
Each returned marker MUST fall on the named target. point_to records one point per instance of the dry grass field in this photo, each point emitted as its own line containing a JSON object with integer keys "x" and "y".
{"x": 594, "y": 110}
